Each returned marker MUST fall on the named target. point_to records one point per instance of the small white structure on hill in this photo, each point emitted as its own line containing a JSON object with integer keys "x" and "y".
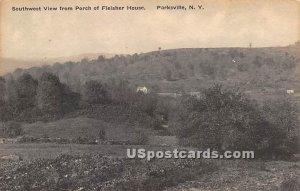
{"x": 142, "y": 89}
{"x": 290, "y": 91}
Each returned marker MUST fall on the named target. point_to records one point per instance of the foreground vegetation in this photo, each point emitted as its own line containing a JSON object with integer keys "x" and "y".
{"x": 225, "y": 119}
{"x": 98, "y": 172}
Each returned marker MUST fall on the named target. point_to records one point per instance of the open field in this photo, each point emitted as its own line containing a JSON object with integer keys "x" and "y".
{"x": 81, "y": 127}
{"x": 32, "y": 151}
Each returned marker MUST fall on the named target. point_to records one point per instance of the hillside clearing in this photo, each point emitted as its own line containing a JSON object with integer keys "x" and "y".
{"x": 84, "y": 127}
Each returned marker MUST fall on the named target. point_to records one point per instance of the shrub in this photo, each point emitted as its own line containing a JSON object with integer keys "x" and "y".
{"x": 102, "y": 134}
{"x": 27, "y": 139}
{"x": 10, "y": 129}
{"x": 141, "y": 138}
{"x": 290, "y": 184}
{"x": 94, "y": 93}
{"x": 224, "y": 119}
{"x": 49, "y": 94}
{"x": 147, "y": 103}
{"x": 283, "y": 117}
{"x": 82, "y": 140}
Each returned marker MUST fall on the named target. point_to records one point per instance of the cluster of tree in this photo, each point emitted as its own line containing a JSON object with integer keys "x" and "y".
{"x": 94, "y": 92}
{"x": 28, "y": 99}
{"x": 224, "y": 119}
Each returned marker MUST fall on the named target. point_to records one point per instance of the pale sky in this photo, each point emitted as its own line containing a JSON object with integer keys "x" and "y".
{"x": 222, "y": 23}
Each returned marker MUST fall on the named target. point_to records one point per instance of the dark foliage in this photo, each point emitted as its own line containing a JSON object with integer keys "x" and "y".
{"x": 10, "y": 129}
{"x": 28, "y": 99}
{"x": 225, "y": 119}
{"x": 94, "y": 93}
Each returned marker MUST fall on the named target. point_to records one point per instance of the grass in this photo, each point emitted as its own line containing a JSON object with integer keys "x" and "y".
{"x": 33, "y": 151}
{"x": 84, "y": 127}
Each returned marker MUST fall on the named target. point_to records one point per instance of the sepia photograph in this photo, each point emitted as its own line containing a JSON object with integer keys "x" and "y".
{"x": 149, "y": 95}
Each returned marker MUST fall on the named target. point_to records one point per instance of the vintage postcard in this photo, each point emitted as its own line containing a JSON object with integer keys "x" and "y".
{"x": 149, "y": 95}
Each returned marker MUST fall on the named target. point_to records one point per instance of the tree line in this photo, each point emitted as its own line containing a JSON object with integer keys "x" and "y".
{"x": 47, "y": 98}
{"x": 29, "y": 99}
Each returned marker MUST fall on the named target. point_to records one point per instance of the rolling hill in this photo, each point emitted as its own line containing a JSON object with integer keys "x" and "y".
{"x": 8, "y": 64}
{"x": 273, "y": 69}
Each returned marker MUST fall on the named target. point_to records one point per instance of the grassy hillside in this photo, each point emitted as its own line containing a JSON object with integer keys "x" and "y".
{"x": 186, "y": 69}
{"x": 74, "y": 128}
